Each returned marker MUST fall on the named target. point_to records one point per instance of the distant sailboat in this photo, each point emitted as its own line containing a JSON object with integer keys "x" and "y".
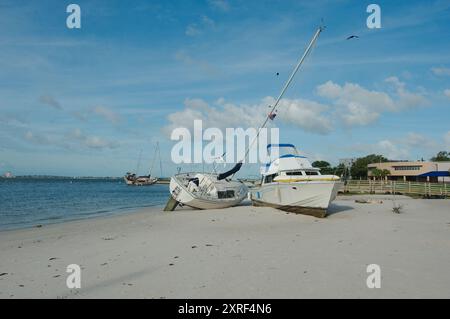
{"x": 132, "y": 179}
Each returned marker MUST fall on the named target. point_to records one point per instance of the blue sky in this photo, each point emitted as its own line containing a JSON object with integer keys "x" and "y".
{"x": 86, "y": 101}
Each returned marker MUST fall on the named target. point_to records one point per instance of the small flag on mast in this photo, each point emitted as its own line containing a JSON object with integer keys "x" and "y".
{"x": 272, "y": 115}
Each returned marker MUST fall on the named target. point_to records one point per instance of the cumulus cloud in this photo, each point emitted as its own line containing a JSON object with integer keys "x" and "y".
{"x": 418, "y": 140}
{"x": 195, "y": 29}
{"x": 352, "y": 104}
{"x": 50, "y": 101}
{"x": 184, "y": 57}
{"x": 38, "y": 138}
{"x": 305, "y": 114}
{"x": 208, "y": 22}
{"x": 358, "y": 106}
{"x": 441, "y": 71}
{"x": 403, "y": 147}
{"x": 447, "y": 93}
{"x": 192, "y": 30}
{"x": 107, "y": 114}
{"x": 221, "y": 5}
{"x": 93, "y": 142}
{"x": 69, "y": 140}
{"x": 447, "y": 140}
{"x": 391, "y": 150}
{"x": 405, "y": 98}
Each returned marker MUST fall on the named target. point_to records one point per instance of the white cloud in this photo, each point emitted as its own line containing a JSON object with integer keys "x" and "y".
{"x": 447, "y": 140}
{"x": 418, "y": 140}
{"x": 405, "y": 147}
{"x": 406, "y": 99}
{"x": 195, "y": 29}
{"x": 391, "y": 150}
{"x": 358, "y": 106}
{"x": 107, "y": 114}
{"x": 447, "y": 93}
{"x": 184, "y": 57}
{"x": 38, "y": 138}
{"x": 94, "y": 142}
{"x": 208, "y": 21}
{"x": 222, "y": 5}
{"x": 50, "y": 101}
{"x": 388, "y": 148}
{"x": 441, "y": 71}
{"x": 305, "y": 114}
{"x": 192, "y": 30}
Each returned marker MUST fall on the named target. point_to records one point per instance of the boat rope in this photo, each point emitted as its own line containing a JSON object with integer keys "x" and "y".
{"x": 280, "y": 96}
{"x": 286, "y": 85}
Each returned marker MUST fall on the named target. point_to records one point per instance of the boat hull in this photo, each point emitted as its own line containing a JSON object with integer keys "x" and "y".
{"x": 181, "y": 194}
{"x": 308, "y": 198}
{"x": 141, "y": 181}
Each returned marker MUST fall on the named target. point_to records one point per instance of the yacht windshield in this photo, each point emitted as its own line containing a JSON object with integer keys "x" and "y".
{"x": 278, "y": 150}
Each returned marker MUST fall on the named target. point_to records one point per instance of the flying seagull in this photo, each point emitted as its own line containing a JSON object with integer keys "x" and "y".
{"x": 352, "y": 37}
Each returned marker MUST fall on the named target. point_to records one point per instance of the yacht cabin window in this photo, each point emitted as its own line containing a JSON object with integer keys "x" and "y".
{"x": 312, "y": 173}
{"x": 269, "y": 178}
{"x": 295, "y": 173}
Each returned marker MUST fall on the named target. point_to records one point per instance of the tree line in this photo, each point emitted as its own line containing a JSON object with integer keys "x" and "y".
{"x": 359, "y": 166}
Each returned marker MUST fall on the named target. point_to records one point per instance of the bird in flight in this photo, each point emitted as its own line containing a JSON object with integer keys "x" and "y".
{"x": 352, "y": 37}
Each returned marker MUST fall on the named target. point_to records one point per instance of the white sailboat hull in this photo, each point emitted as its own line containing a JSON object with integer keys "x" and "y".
{"x": 141, "y": 181}
{"x": 199, "y": 200}
{"x": 310, "y": 198}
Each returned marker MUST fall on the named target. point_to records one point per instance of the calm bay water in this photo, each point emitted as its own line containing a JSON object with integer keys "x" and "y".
{"x": 31, "y": 202}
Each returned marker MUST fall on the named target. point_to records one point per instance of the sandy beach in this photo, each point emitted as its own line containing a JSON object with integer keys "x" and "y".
{"x": 241, "y": 252}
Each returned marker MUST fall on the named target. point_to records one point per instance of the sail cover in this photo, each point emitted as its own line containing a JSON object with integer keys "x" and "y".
{"x": 224, "y": 175}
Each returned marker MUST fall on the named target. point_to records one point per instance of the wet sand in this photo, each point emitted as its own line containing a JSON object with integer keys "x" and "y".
{"x": 240, "y": 252}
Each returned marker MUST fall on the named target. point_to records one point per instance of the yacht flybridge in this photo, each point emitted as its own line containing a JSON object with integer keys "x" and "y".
{"x": 289, "y": 182}
{"x": 206, "y": 191}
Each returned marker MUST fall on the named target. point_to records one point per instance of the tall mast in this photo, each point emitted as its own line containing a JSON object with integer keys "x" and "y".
{"x": 286, "y": 85}
{"x": 238, "y": 166}
{"x": 138, "y": 163}
{"x": 153, "y": 159}
{"x": 160, "y": 162}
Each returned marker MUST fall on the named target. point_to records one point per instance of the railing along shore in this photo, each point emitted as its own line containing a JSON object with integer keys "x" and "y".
{"x": 380, "y": 187}
{"x": 396, "y": 187}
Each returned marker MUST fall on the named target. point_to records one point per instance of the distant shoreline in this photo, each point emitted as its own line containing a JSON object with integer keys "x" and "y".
{"x": 67, "y": 177}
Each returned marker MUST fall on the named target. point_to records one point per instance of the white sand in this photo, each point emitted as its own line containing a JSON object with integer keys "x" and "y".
{"x": 254, "y": 253}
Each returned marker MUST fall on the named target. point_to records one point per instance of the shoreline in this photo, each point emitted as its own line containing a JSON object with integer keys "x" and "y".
{"x": 239, "y": 252}
{"x": 89, "y": 216}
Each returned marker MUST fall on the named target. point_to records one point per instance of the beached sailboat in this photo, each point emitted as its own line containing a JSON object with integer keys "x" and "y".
{"x": 206, "y": 191}
{"x": 290, "y": 183}
{"x": 132, "y": 179}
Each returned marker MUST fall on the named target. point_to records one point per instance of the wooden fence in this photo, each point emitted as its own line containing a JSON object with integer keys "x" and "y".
{"x": 397, "y": 187}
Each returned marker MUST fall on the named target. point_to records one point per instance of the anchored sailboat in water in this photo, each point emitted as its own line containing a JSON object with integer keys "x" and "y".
{"x": 132, "y": 179}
